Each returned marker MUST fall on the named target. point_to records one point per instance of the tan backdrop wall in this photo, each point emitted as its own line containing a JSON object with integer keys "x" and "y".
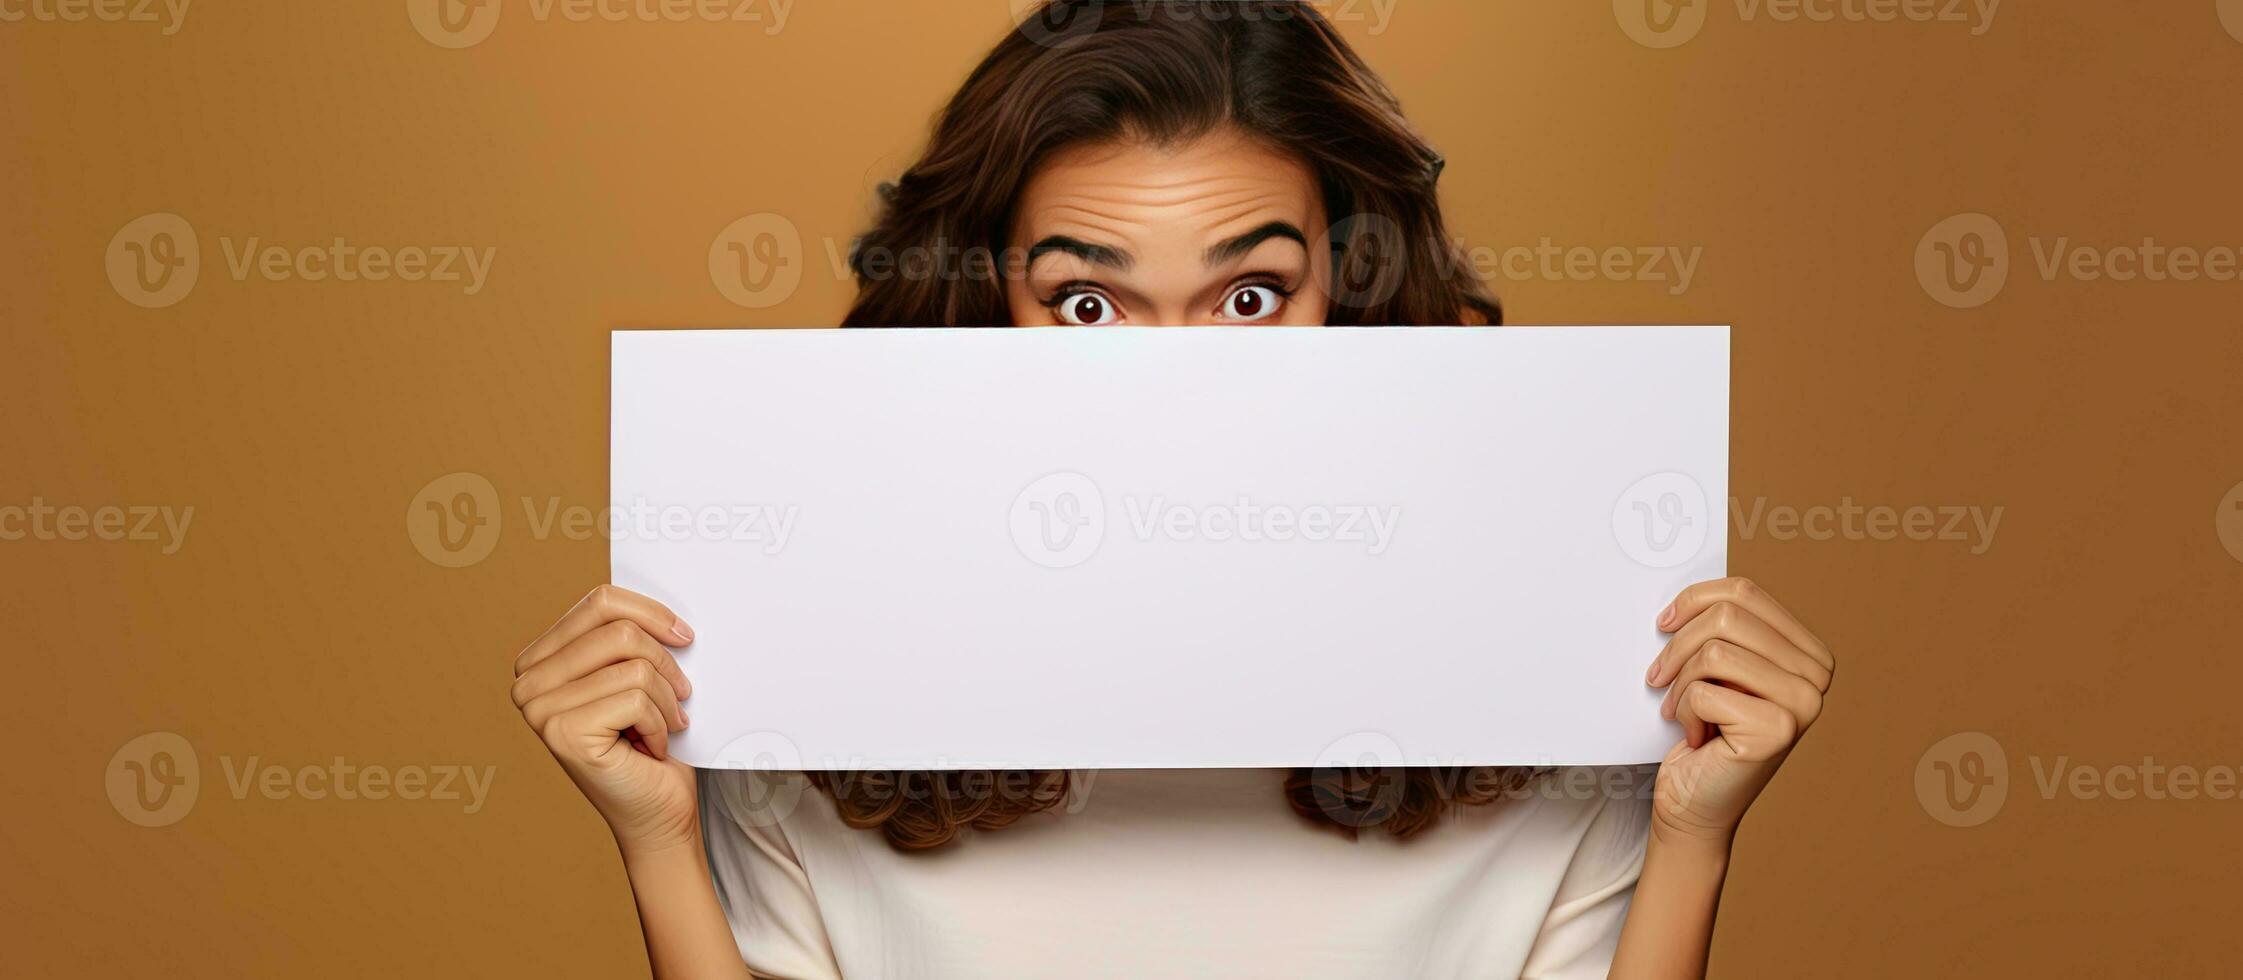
{"x": 1804, "y": 166}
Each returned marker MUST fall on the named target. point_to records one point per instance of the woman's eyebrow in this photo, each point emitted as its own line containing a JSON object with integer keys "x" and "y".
{"x": 1094, "y": 254}
{"x": 1235, "y": 247}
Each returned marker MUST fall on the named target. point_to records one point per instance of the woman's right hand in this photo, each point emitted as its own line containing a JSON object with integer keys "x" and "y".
{"x": 602, "y": 690}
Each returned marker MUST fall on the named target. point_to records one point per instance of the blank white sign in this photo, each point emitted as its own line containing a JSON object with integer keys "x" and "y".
{"x": 1199, "y": 547}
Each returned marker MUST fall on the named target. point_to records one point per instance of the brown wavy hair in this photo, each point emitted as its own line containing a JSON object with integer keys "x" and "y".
{"x": 1163, "y": 71}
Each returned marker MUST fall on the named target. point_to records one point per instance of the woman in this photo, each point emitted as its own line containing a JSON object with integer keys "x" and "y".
{"x": 1174, "y": 162}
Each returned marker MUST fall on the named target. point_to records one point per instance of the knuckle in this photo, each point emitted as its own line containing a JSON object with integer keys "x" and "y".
{"x": 640, "y": 673}
{"x": 1722, "y": 615}
{"x": 1716, "y": 653}
{"x": 601, "y": 599}
{"x": 1810, "y": 711}
{"x": 1745, "y": 588}
{"x": 621, "y": 631}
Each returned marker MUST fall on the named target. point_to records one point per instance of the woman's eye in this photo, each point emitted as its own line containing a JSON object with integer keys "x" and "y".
{"x": 1252, "y": 303}
{"x": 1086, "y": 310}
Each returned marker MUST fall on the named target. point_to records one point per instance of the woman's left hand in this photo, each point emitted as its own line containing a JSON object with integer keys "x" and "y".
{"x": 1746, "y": 680}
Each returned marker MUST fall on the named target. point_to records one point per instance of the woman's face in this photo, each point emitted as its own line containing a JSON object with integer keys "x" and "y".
{"x": 1220, "y": 230}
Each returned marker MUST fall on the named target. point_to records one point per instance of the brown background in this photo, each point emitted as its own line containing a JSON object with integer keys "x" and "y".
{"x": 299, "y": 622}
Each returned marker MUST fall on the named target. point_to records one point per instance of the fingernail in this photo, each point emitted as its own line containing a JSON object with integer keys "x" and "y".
{"x": 1651, "y": 676}
{"x": 1666, "y": 616}
{"x": 683, "y": 720}
{"x": 682, "y": 631}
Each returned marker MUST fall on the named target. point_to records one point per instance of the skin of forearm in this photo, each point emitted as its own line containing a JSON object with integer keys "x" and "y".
{"x": 1670, "y": 919}
{"x": 687, "y": 937}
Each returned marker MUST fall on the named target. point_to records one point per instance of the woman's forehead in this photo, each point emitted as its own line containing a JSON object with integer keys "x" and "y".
{"x": 1182, "y": 195}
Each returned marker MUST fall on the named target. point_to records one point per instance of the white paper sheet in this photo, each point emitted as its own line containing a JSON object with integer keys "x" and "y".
{"x": 1205, "y": 547}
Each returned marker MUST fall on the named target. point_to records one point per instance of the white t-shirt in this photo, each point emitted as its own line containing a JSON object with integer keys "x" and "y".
{"x": 1182, "y": 873}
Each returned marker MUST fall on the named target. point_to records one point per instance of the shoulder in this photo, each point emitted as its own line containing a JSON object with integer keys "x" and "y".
{"x": 1604, "y": 812}
{"x": 739, "y": 805}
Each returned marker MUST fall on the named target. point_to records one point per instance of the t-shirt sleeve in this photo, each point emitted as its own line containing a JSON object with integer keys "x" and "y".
{"x": 759, "y": 877}
{"x": 1582, "y": 931}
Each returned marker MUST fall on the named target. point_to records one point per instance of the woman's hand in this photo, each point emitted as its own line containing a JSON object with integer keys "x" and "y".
{"x": 1746, "y": 680}
{"x": 602, "y": 690}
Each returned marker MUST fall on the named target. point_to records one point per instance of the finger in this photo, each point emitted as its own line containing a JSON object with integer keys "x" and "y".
{"x": 1740, "y": 669}
{"x": 599, "y": 607}
{"x": 1749, "y": 594}
{"x": 1752, "y": 729}
{"x": 1731, "y": 622}
{"x": 608, "y": 719}
{"x": 614, "y": 643}
{"x": 629, "y": 675}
